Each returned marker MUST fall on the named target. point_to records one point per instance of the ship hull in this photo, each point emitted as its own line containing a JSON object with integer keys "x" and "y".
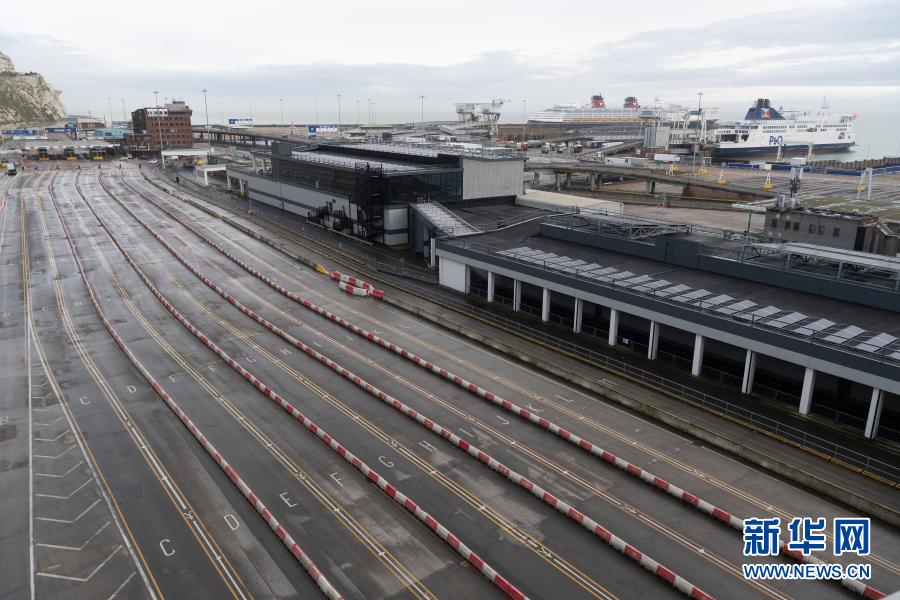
{"x": 748, "y": 151}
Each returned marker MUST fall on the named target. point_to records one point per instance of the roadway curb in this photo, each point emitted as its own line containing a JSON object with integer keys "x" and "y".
{"x": 761, "y": 459}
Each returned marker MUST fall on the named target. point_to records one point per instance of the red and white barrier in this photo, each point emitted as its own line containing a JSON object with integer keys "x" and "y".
{"x": 347, "y": 280}
{"x": 390, "y": 490}
{"x": 539, "y": 492}
{"x": 352, "y": 289}
{"x": 704, "y": 506}
{"x": 306, "y": 562}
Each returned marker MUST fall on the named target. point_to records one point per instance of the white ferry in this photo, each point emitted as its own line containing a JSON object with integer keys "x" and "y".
{"x": 597, "y": 113}
{"x": 765, "y": 130}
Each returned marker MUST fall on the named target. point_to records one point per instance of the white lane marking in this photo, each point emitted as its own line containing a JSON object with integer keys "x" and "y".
{"x": 66, "y": 521}
{"x": 72, "y": 468}
{"x": 54, "y": 422}
{"x": 124, "y": 583}
{"x": 563, "y": 399}
{"x": 76, "y": 548}
{"x": 75, "y": 491}
{"x": 64, "y": 452}
{"x": 40, "y": 439}
{"x": 92, "y": 573}
{"x": 337, "y": 480}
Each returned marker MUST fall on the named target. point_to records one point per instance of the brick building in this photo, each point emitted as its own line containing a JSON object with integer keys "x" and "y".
{"x": 173, "y": 122}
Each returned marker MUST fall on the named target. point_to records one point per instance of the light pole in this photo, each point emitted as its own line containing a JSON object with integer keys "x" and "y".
{"x": 251, "y": 112}
{"x": 422, "y": 110}
{"x": 159, "y": 129}
{"x": 524, "y": 119}
{"x": 124, "y": 114}
{"x": 156, "y": 98}
{"x": 370, "y": 113}
{"x": 222, "y": 111}
{"x": 109, "y": 103}
{"x": 699, "y": 123}
{"x": 317, "y": 112}
{"x": 339, "y": 113}
{"x": 206, "y": 107}
{"x": 281, "y": 100}
{"x": 357, "y": 114}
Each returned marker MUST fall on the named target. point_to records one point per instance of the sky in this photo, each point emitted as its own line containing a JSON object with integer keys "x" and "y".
{"x": 295, "y": 56}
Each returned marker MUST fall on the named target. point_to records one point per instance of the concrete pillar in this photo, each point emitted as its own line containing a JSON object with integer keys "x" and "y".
{"x": 749, "y": 372}
{"x": 568, "y": 180}
{"x": 545, "y": 305}
{"x": 491, "y": 283}
{"x": 809, "y": 384}
{"x": 874, "y": 417}
{"x": 468, "y": 279}
{"x": 558, "y": 180}
{"x": 653, "y": 344}
{"x": 613, "y": 327}
{"x": 579, "y": 314}
{"x": 227, "y": 182}
{"x": 697, "y": 365}
{"x": 517, "y": 294}
{"x": 243, "y": 188}
{"x": 205, "y": 179}
{"x": 432, "y": 256}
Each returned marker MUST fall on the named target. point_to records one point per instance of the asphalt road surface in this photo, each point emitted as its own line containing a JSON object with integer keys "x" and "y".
{"x": 108, "y": 494}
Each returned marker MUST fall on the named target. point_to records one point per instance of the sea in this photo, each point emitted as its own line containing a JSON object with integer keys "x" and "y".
{"x": 879, "y": 136}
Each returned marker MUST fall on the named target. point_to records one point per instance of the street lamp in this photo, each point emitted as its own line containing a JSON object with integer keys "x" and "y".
{"x": 357, "y": 114}
{"x": 206, "y": 107}
{"x": 124, "y": 117}
{"x": 281, "y": 100}
{"x": 317, "y": 112}
{"x": 339, "y": 113}
{"x": 524, "y": 119}
{"x": 109, "y": 103}
{"x": 222, "y": 111}
{"x": 159, "y": 129}
{"x": 699, "y": 123}
{"x": 156, "y": 98}
{"x": 422, "y": 114}
{"x": 251, "y": 112}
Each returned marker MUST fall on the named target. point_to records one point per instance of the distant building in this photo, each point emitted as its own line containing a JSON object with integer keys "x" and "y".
{"x": 849, "y": 231}
{"x": 171, "y": 123}
{"x": 112, "y": 133}
{"x": 369, "y": 189}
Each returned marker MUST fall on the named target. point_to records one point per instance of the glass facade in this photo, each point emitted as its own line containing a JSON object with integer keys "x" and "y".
{"x": 418, "y": 187}
{"x": 399, "y": 188}
{"x": 317, "y": 176}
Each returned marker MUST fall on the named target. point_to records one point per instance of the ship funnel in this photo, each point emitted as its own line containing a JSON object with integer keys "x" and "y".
{"x": 631, "y": 102}
{"x": 597, "y": 101}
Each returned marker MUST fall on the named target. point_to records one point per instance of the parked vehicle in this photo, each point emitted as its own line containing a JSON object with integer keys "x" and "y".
{"x": 545, "y": 149}
{"x": 11, "y": 168}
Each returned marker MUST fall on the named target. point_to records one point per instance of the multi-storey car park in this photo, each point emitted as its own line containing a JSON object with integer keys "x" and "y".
{"x": 202, "y": 412}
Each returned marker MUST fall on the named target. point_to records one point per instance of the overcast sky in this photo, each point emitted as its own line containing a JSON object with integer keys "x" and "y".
{"x": 392, "y": 52}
